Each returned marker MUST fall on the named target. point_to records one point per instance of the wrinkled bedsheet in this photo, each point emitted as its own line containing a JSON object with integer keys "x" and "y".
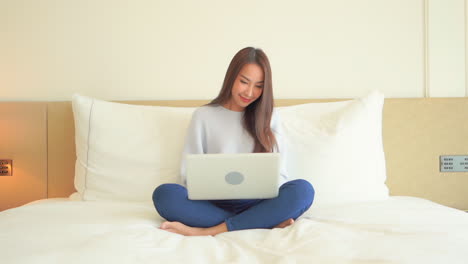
{"x": 397, "y": 230}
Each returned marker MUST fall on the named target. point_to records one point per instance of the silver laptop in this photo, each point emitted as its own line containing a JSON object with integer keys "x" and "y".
{"x": 232, "y": 176}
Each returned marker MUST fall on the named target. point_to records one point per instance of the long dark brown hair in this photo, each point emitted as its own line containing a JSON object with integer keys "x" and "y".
{"x": 257, "y": 115}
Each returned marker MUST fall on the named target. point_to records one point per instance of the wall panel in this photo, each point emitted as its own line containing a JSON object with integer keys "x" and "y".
{"x": 156, "y": 50}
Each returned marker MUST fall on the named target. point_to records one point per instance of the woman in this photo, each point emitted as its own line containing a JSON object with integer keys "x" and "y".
{"x": 239, "y": 120}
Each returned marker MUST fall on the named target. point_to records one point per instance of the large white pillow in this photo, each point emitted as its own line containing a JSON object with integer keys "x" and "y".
{"x": 337, "y": 146}
{"x": 125, "y": 151}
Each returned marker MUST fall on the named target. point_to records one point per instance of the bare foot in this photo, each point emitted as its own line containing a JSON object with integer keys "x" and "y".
{"x": 286, "y": 223}
{"x": 179, "y": 228}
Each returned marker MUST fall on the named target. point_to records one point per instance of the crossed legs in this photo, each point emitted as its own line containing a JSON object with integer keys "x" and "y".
{"x": 198, "y": 217}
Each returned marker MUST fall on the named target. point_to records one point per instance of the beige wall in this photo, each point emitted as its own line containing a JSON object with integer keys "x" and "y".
{"x": 180, "y": 49}
{"x": 445, "y": 46}
{"x": 155, "y": 50}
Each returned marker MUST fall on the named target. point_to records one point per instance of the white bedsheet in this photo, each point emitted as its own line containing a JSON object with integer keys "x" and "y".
{"x": 399, "y": 230}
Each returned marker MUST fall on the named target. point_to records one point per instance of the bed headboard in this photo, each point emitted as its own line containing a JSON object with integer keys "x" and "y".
{"x": 416, "y": 131}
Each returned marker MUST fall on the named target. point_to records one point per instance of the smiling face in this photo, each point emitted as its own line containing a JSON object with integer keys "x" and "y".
{"x": 247, "y": 87}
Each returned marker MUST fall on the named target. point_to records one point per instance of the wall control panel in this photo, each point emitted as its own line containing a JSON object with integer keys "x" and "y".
{"x": 454, "y": 163}
{"x": 6, "y": 167}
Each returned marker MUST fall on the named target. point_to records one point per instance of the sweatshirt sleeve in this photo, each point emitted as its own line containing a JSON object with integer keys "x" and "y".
{"x": 195, "y": 142}
{"x": 276, "y": 127}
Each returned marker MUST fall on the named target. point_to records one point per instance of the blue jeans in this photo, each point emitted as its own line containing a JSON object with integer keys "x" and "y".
{"x": 294, "y": 198}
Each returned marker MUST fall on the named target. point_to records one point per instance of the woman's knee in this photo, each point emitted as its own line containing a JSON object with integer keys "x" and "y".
{"x": 165, "y": 196}
{"x": 167, "y": 192}
{"x": 302, "y": 189}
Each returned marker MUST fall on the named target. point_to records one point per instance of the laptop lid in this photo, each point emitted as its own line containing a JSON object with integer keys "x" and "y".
{"x": 232, "y": 176}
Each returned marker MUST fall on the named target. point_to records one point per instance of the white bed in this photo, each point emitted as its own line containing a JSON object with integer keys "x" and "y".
{"x": 397, "y": 230}
{"x": 124, "y": 151}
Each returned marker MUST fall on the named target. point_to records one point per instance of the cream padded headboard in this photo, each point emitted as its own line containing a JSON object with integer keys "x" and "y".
{"x": 415, "y": 133}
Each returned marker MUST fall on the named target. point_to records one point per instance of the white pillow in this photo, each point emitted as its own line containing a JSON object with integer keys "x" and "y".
{"x": 337, "y": 146}
{"x": 125, "y": 151}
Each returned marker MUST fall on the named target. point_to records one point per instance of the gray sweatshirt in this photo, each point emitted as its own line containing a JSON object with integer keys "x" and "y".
{"x": 215, "y": 129}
